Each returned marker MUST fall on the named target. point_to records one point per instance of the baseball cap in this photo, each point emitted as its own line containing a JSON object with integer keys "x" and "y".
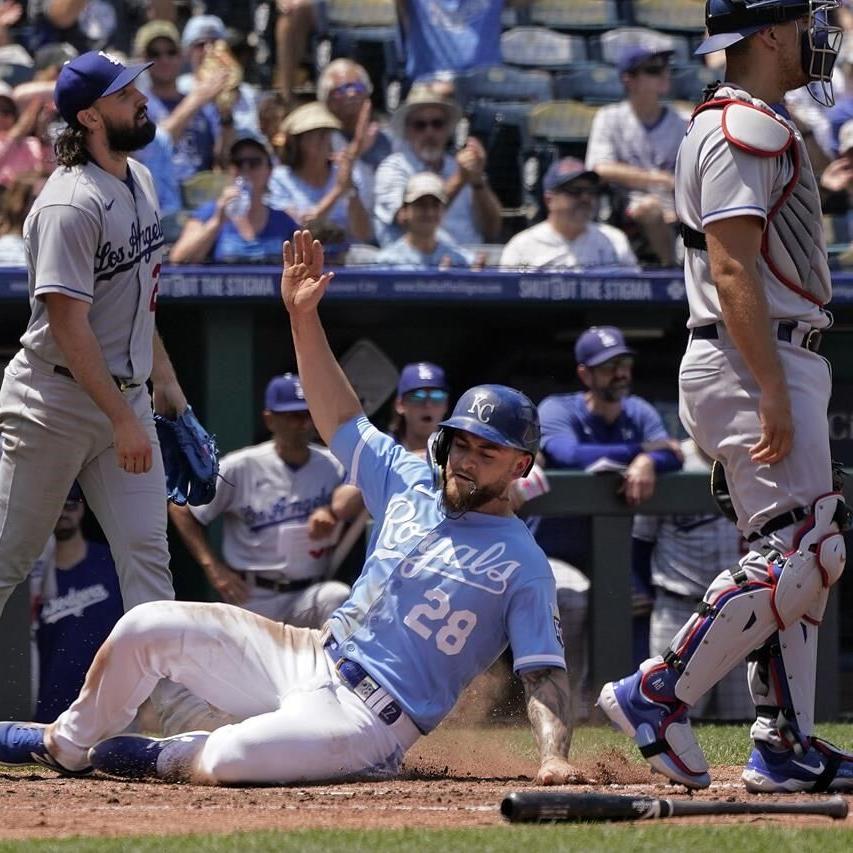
{"x": 635, "y": 55}
{"x": 845, "y": 137}
{"x": 285, "y": 394}
{"x": 599, "y": 344}
{"x": 420, "y": 374}
{"x": 424, "y": 184}
{"x": 54, "y": 54}
{"x": 90, "y": 76}
{"x": 563, "y": 171}
{"x": 155, "y": 30}
{"x": 249, "y": 135}
{"x": 76, "y": 493}
{"x": 313, "y": 116}
{"x": 202, "y": 28}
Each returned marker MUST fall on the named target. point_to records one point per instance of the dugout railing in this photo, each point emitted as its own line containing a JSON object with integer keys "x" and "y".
{"x": 609, "y": 620}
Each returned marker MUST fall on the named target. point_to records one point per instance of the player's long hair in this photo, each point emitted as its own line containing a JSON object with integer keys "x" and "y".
{"x": 71, "y": 148}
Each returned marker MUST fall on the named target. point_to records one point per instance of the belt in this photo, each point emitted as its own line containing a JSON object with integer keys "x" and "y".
{"x": 122, "y": 384}
{"x": 376, "y": 697}
{"x": 278, "y": 586}
{"x": 786, "y": 330}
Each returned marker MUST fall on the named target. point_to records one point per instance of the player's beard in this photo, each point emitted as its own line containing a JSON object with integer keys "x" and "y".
{"x": 464, "y": 495}
{"x": 613, "y": 394}
{"x": 128, "y": 139}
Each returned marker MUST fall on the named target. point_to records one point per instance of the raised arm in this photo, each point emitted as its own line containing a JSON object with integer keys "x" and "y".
{"x": 330, "y": 396}
{"x": 549, "y": 710}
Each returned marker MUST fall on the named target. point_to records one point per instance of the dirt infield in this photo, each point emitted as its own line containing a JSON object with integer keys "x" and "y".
{"x": 453, "y": 778}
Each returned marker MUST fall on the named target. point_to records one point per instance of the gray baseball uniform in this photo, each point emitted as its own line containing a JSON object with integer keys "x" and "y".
{"x": 94, "y": 238}
{"x": 266, "y": 505}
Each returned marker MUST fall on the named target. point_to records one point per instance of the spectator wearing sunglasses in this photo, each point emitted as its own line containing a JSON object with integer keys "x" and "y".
{"x": 633, "y": 145}
{"x": 568, "y": 237}
{"x": 423, "y": 127}
{"x": 420, "y": 247}
{"x": 256, "y": 237}
{"x": 422, "y": 395}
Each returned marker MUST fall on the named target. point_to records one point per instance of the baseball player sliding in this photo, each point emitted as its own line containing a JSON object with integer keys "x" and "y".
{"x": 453, "y": 577}
{"x": 74, "y": 402}
{"x": 754, "y": 395}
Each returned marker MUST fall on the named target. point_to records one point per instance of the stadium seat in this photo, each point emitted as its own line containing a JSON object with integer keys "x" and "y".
{"x": 575, "y": 14}
{"x": 202, "y": 187}
{"x": 688, "y": 81}
{"x": 686, "y": 16}
{"x": 359, "y": 13}
{"x": 561, "y": 121}
{"x": 594, "y": 83}
{"x": 615, "y": 41}
{"x": 539, "y": 47}
{"x": 499, "y": 83}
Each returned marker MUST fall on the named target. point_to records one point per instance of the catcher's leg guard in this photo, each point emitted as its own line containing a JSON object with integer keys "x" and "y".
{"x": 767, "y": 592}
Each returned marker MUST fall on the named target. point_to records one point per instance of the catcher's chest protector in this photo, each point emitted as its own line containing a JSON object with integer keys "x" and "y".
{"x": 794, "y": 245}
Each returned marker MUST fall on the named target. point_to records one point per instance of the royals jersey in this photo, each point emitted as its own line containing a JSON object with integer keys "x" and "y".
{"x": 93, "y": 237}
{"x": 439, "y": 598}
{"x": 266, "y": 504}
{"x": 716, "y": 180}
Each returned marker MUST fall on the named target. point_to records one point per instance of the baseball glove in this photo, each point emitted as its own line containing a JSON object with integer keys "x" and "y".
{"x": 217, "y": 57}
{"x": 190, "y": 457}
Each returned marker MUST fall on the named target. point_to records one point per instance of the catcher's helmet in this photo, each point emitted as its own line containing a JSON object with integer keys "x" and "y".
{"x": 731, "y": 21}
{"x": 495, "y": 413}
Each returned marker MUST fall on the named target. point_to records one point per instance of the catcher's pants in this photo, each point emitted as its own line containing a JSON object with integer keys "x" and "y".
{"x": 306, "y": 608}
{"x": 53, "y": 434}
{"x": 300, "y": 720}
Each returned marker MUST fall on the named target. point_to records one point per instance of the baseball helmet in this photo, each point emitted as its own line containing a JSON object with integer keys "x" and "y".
{"x": 496, "y": 413}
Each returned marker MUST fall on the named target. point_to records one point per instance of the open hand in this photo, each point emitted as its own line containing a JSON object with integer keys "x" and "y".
{"x": 303, "y": 281}
{"x": 777, "y": 429}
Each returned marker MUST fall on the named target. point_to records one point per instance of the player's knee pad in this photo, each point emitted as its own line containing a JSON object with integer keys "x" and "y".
{"x": 816, "y": 563}
{"x": 734, "y": 618}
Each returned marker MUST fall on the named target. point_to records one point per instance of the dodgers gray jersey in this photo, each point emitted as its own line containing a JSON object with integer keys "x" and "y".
{"x": 93, "y": 237}
{"x": 717, "y": 179}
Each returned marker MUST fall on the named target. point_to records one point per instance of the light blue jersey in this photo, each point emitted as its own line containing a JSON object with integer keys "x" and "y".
{"x": 439, "y": 598}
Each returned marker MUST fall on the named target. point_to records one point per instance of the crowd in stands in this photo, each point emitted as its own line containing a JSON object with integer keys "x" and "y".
{"x": 323, "y": 111}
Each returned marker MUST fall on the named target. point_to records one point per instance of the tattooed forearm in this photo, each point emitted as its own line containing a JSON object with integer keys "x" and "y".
{"x": 549, "y": 711}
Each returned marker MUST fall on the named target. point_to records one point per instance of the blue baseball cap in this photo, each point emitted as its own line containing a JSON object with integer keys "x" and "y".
{"x": 90, "y": 76}
{"x": 202, "y": 28}
{"x": 564, "y": 171}
{"x": 285, "y": 394}
{"x": 599, "y": 344}
{"x": 420, "y": 374}
{"x": 635, "y": 55}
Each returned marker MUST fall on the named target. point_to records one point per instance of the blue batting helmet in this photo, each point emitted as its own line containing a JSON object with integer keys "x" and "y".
{"x": 495, "y": 413}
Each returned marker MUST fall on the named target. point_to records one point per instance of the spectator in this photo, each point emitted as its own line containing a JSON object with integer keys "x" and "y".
{"x": 633, "y": 144}
{"x": 836, "y": 182}
{"x": 344, "y": 88}
{"x": 205, "y": 39}
{"x": 15, "y": 61}
{"x": 14, "y": 207}
{"x": 309, "y": 185}
{"x": 20, "y": 151}
{"x": 76, "y": 603}
{"x": 423, "y": 126}
{"x": 842, "y": 111}
{"x": 49, "y": 59}
{"x": 192, "y": 121}
{"x": 450, "y": 35}
{"x": 272, "y": 111}
{"x": 254, "y": 235}
{"x": 604, "y": 425}
{"x": 569, "y": 237}
{"x": 681, "y": 555}
{"x": 294, "y": 23}
{"x": 424, "y": 205}
{"x": 422, "y": 397}
{"x": 281, "y": 501}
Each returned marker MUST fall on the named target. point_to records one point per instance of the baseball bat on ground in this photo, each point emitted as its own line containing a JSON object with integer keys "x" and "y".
{"x": 535, "y": 806}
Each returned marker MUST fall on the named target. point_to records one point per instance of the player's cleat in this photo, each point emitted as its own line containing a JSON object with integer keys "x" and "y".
{"x": 659, "y": 726}
{"x": 137, "y": 756}
{"x": 823, "y": 767}
{"x": 23, "y": 743}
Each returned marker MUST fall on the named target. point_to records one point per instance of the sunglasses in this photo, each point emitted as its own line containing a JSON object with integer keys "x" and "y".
{"x": 652, "y": 70}
{"x": 425, "y": 395}
{"x": 354, "y": 88}
{"x": 6, "y": 111}
{"x": 248, "y": 162}
{"x": 421, "y": 124}
{"x": 158, "y": 54}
